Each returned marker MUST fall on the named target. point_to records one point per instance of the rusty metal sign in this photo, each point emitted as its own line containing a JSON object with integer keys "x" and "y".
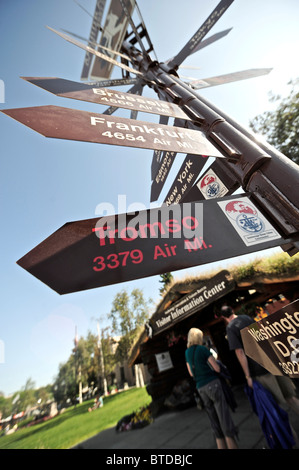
{"x": 185, "y": 178}
{"x": 104, "y": 96}
{"x": 105, "y": 58}
{"x": 93, "y": 36}
{"x": 101, "y": 251}
{"x": 72, "y": 124}
{"x": 193, "y": 43}
{"x": 228, "y": 78}
{"x": 210, "y": 40}
{"x": 165, "y": 165}
{"x": 113, "y": 82}
{"x": 273, "y": 342}
{"x": 114, "y": 31}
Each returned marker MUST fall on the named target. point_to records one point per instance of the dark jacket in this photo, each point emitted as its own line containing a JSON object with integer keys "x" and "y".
{"x": 273, "y": 419}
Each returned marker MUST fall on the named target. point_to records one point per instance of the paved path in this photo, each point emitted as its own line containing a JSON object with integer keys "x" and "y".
{"x": 188, "y": 429}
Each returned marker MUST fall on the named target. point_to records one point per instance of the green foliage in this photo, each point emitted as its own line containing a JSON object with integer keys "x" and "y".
{"x": 274, "y": 266}
{"x": 281, "y": 126}
{"x": 76, "y": 424}
{"x": 128, "y": 314}
{"x": 166, "y": 279}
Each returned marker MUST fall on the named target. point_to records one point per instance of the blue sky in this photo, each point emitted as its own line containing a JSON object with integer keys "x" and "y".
{"x": 46, "y": 183}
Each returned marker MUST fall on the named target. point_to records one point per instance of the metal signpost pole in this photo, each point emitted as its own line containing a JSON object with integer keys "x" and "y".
{"x": 258, "y": 168}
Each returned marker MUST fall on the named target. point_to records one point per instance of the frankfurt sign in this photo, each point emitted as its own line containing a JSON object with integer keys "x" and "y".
{"x": 72, "y": 124}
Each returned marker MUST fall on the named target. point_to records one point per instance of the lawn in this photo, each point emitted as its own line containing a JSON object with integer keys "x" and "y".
{"x": 76, "y": 424}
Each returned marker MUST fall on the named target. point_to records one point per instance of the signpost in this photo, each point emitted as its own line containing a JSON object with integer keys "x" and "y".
{"x": 185, "y": 179}
{"x": 98, "y": 252}
{"x": 93, "y": 36}
{"x": 113, "y": 35}
{"x": 228, "y": 78}
{"x": 104, "y": 96}
{"x": 72, "y": 124}
{"x": 273, "y": 342}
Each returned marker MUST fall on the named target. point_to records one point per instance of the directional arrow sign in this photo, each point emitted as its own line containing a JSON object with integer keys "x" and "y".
{"x": 185, "y": 178}
{"x": 193, "y": 43}
{"x": 93, "y": 36}
{"x": 273, "y": 341}
{"x": 98, "y": 252}
{"x": 104, "y": 57}
{"x": 114, "y": 31}
{"x": 72, "y": 124}
{"x": 80, "y": 91}
{"x": 228, "y": 78}
{"x": 165, "y": 165}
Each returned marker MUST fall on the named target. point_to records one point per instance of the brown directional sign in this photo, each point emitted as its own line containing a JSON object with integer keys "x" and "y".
{"x": 273, "y": 342}
{"x": 210, "y": 40}
{"x": 104, "y": 57}
{"x": 80, "y": 91}
{"x": 93, "y": 36}
{"x": 114, "y": 31}
{"x": 208, "y": 292}
{"x": 185, "y": 178}
{"x": 228, "y": 78}
{"x": 102, "y": 251}
{"x": 113, "y": 82}
{"x": 193, "y": 43}
{"x": 165, "y": 165}
{"x": 155, "y": 165}
{"x": 72, "y": 124}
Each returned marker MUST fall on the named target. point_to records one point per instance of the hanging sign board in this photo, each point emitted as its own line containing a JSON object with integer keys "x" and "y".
{"x": 273, "y": 342}
{"x": 93, "y": 36}
{"x": 163, "y": 171}
{"x": 215, "y": 182}
{"x": 114, "y": 31}
{"x": 228, "y": 78}
{"x": 104, "y": 96}
{"x": 72, "y": 124}
{"x": 109, "y": 250}
{"x": 211, "y": 290}
{"x": 185, "y": 178}
{"x": 192, "y": 44}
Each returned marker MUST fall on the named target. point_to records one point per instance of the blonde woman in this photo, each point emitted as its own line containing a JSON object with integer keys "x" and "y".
{"x": 203, "y": 367}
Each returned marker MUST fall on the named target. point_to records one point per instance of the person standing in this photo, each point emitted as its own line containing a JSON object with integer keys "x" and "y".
{"x": 203, "y": 367}
{"x": 281, "y": 387}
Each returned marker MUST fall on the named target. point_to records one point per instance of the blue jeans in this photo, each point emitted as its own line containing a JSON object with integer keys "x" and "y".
{"x": 217, "y": 409}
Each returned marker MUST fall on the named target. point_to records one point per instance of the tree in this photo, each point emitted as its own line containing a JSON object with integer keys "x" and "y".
{"x": 128, "y": 313}
{"x": 166, "y": 279}
{"x": 281, "y": 126}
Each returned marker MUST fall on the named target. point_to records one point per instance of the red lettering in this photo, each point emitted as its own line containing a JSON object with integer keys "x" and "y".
{"x": 143, "y": 233}
{"x": 173, "y": 225}
{"x": 114, "y": 260}
{"x": 125, "y": 230}
{"x": 195, "y": 222}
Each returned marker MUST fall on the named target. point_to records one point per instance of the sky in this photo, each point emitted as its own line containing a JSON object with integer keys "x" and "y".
{"x": 46, "y": 182}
